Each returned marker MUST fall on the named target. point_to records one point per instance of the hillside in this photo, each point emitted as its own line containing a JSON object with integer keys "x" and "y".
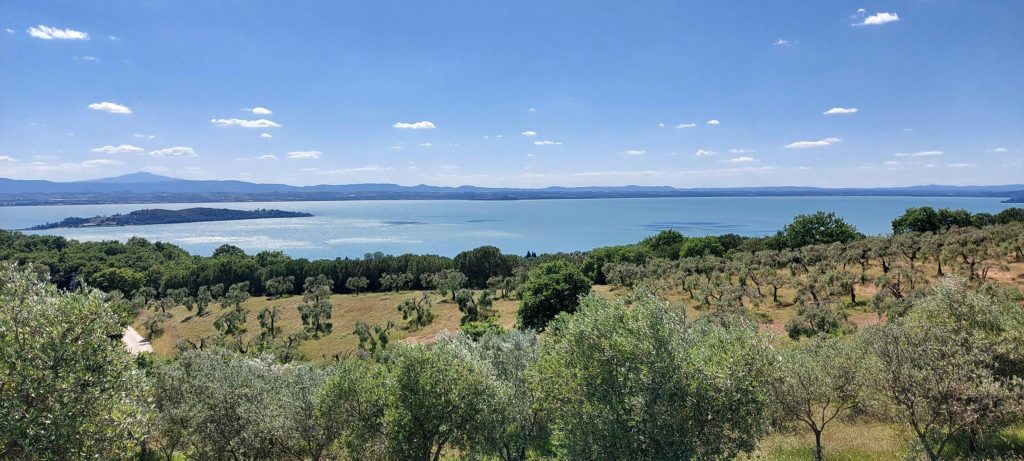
{"x": 151, "y": 188}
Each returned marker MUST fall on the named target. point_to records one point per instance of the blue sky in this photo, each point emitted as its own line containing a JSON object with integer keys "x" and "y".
{"x": 687, "y": 94}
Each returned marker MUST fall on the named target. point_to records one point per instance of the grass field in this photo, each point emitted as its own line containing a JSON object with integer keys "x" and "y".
{"x": 372, "y": 308}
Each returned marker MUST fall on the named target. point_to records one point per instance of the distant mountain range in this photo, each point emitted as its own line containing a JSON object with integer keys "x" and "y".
{"x": 151, "y": 188}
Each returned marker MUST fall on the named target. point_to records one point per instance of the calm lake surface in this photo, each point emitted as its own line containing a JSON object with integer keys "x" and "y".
{"x": 446, "y": 227}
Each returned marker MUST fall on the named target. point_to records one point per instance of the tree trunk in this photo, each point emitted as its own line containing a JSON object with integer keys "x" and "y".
{"x": 818, "y": 455}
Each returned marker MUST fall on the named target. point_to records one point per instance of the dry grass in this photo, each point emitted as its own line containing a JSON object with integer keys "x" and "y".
{"x": 841, "y": 442}
{"x": 372, "y": 308}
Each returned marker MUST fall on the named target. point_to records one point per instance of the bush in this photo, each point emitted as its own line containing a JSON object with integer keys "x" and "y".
{"x": 550, "y": 288}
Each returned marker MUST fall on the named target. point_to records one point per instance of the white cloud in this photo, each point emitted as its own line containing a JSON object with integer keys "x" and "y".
{"x": 840, "y": 111}
{"x": 927, "y": 153}
{"x": 178, "y": 151}
{"x": 547, "y": 143}
{"x": 686, "y": 125}
{"x": 959, "y": 165}
{"x": 305, "y": 154}
{"x": 809, "y": 144}
{"x": 742, "y": 160}
{"x": 53, "y": 33}
{"x": 261, "y": 123}
{"x": 705, "y": 153}
{"x": 7, "y": 158}
{"x": 635, "y": 152}
{"x": 1000, "y": 149}
{"x": 423, "y": 125}
{"x": 145, "y": 136}
{"x": 9, "y": 30}
{"x": 260, "y": 111}
{"x": 741, "y": 151}
{"x": 529, "y": 133}
{"x": 781, "y": 42}
{"x": 111, "y": 107}
{"x": 892, "y": 163}
{"x": 360, "y": 169}
{"x": 267, "y": 157}
{"x": 101, "y": 162}
{"x": 427, "y": 144}
{"x": 713, "y": 122}
{"x": 266, "y": 135}
{"x": 533, "y": 109}
{"x": 661, "y": 125}
{"x": 122, "y": 149}
{"x": 878, "y": 19}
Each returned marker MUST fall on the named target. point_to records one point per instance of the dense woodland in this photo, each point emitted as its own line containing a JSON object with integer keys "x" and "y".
{"x": 678, "y": 367}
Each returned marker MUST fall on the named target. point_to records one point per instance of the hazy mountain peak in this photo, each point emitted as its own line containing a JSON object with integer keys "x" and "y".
{"x": 140, "y": 177}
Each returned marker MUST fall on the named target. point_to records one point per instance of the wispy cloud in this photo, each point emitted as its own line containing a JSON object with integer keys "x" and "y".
{"x": 177, "y": 151}
{"x": 261, "y": 123}
{"x": 305, "y": 154}
{"x": 101, "y": 162}
{"x": 112, "y": 107}
{"x": 713, "y": 122}
{"x": 927, "y": 153}
{"x": 635, "y": 152}
{"x": 742, "y": 160}
{"x": 267, "y": 157}
{"x": 260, "y": 111}
{"x": 121, "y": 149}
{"x": 840, "y": 111}
{"x": 529, "y": 133}
{"x": 424, "y": 125}
{"x": 360, "y": 169}
{"x": 547, "y": 143}
{"x": 7, "y": 158}
{"x": 999, "y": 150}
{"x": 54, "y": 33}
{"x": 741, "y": 151}
{"x": 686, "y": 125}
{"x": 959, "y": 165}
{"x": 705, "y": 153}
{"x": 781, "y": 42}
{"x": 145, "y": 136}
{"x": 811, "y": 144}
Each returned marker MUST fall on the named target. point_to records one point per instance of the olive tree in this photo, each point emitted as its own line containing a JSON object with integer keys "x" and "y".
{"x": 642, "y": 383}
{"x": 938, "y": 365}
{"x": 435, "y": 399}
{"x": 68, "y": 387}
{"x": 819, "y": 380}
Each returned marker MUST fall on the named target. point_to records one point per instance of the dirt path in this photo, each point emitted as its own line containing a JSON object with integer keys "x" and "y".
{"x": 135, "y": 342}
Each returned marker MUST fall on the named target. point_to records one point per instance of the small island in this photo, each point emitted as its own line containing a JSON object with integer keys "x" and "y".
{"x": 160, "y": 216}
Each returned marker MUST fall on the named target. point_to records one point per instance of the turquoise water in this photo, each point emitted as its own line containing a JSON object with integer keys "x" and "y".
{"x": 446, "y": 227}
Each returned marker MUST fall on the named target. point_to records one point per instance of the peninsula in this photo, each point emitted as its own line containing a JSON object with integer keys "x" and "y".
{"x": 161, "y": 216}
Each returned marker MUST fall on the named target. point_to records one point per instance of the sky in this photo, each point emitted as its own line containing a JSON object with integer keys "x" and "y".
{"x": 523, "y": 94}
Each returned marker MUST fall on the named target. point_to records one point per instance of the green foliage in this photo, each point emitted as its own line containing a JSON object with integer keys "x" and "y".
{"x": 316, "y": 306}
{"x": 395, "y": 282}
{"x": 938, "y": 364}
{"x": 353, "y": 402}
{"x": 701, "y": 246}
{"x": 550, "y": 288}
{"x": 818, "y": 381}
{"x": 665, "y": 244}
{"x": 279, "y": 286}
{"x": 480, "y": 264}
{"x": 596, "y": 259}
{"x": 447, "y": 281}
{"x": 818, "y": 228}
{"x": 357, "y": 284}
{"x": 121, "y": 279}
{"x": 372, "y": 339}
{"x": 436, "y": 398}
{"x": 68, "y": 387}
{"x": 641, "y": 383}
{"x": 474, "y": 308}
{"x": 417, "y": 313}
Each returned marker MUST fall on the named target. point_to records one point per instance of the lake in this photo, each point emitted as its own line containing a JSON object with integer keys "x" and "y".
{"x": 446, "y": 227}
